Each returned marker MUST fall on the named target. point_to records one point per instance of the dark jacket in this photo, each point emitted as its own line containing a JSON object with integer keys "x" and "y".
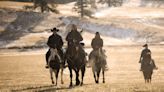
{"x": 55, "y": 41}
{"x": 74, "y": 35}
{"x": 97, "y": 43}
{"x": 145, "y": 55}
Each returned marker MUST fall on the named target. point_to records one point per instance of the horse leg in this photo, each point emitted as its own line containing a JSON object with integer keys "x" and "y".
{"x": 98, "y": 74}
{"x": 145, "y": 76}
{"x": 77, "y": 77}
{"x": 103, "y": 72}
{"x": 70, "y": 70}
{"x": 150, "y": 79}
{"x": 151, "y": 75}
{"x": 51, "y": 75}
{"x": 82, "y": 74}
{"x": 94, "y": 75}
{"x": 56, "y": 75}
{"x": 62, "y": 82}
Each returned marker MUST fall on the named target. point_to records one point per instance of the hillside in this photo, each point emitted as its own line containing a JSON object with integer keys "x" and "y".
{"x": 118, "y": 26}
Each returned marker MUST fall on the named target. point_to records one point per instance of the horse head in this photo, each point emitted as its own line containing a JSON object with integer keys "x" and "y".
{"x": 53, "y": 55}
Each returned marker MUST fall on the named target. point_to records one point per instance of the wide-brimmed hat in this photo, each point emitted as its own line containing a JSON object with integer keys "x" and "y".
{"x": 54, "y": 29}
{"x": 145, "y": 45}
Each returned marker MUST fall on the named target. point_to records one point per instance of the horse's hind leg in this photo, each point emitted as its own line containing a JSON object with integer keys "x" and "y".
{"x": 82, "y": 74}
{"x": 62, "y": 82}
{"x": 51, "y": 75}
{"x": 103, "y": 72}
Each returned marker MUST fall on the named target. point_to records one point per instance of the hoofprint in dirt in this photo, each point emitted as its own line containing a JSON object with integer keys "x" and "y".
{"x": 26, "y": 72}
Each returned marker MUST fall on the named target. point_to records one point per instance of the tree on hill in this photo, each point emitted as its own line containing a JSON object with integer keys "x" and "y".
{"x": 43, "y": 4}
{"x": 82, "y": 7}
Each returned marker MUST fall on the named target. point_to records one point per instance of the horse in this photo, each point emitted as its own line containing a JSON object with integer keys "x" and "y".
{"x": 55, "y": 64}
{"x": 97, "y": 63}
{"x": 148, "y": 71}
{"x": 75, "y": 57}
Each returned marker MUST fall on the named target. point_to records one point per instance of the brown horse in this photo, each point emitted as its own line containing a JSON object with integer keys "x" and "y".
{"x": 75, "y": 58}
{"x": 148, "y": 71}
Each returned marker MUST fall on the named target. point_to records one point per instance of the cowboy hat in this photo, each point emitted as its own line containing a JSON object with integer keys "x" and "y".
{"x": 145, "y": 45}
{"x": 54, "y": 29}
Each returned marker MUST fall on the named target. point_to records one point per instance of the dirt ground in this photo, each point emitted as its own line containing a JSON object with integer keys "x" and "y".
{"x": 22, "y": 71}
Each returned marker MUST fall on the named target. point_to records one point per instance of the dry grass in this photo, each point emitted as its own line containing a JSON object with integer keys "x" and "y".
{"x": 27, "y": 73}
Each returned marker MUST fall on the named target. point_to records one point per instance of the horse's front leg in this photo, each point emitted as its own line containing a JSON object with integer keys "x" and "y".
{"x": 94, "y": 75}
{"x": 56, "y": 75}
{"x": 77, "y": 77}
{"x": 70, "y": 70}
{"x": 103, "y": 73}
{"x": 51, "y": 75}
{"x": 62, "y": 82}
{"x": 98, "y": 74}
{"x": 82, "y": 74}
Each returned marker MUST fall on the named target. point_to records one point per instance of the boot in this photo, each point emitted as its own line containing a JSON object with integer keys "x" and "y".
{"x": 46, "y": 66}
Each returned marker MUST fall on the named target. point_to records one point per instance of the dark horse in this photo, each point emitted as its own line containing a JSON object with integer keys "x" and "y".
{"x": 97, "y": 63}
{"x": 75, "y": 57}
{"x": 55, "y": 64}
{"x": 147, "y": 66}
{"x": 148, "y": 70}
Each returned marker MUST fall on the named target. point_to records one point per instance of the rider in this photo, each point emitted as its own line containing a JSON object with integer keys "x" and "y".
{"x": 146, "y": 57}
{"x": 54, "y": 41}
{"x": 97, "y": 43}
{"x": 74, "y": 37}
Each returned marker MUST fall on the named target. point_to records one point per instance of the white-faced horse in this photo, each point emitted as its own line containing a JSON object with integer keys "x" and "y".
{"x": 55, "y": 64}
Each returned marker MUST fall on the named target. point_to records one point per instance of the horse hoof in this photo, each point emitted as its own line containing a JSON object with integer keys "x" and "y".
{"x": 81, "y": 84}
{"x": 70, "y": 86}
{"x": 77, "y": 83}
{"x": 52, "y": 82}
{"x": 103, "y": 81}
{"x": 97, "y": 82}
{"x": 62, "y": 82}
